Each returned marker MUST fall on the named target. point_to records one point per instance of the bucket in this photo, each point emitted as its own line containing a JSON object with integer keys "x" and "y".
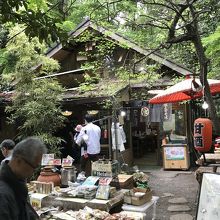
{"x": 68, "y": 174}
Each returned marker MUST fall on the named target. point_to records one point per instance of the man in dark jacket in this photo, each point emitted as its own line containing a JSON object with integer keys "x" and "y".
{"x": 25, "y": 159}
{"x": 7, "y": 148}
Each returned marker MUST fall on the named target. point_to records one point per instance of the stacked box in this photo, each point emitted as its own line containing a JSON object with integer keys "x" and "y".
{"x": 126, "y": 181}
{"x": 130, "y": 197}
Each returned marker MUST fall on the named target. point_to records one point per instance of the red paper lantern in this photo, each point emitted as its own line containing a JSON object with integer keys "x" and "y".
{"x": 202, "y": 134}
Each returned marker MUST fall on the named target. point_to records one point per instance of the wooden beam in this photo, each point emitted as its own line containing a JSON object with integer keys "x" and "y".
{"x": 63, "y": 73}
{"x": 86, "y": 100}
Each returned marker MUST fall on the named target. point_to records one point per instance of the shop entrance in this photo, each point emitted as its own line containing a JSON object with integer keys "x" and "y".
{"x": 145, "y": 144}
{"x": 148, "y": 132}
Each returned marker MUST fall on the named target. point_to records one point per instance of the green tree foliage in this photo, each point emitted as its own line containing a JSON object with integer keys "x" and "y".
{"x": 144, "y": 22}
{"x": 36, "y": 103}
{"x": 181, "y": 23}
{"x": 45, "y": 19}
{"x": 212, "y": 44}
{"x": 149, "y": 22}
{"x": 174, "y": 28}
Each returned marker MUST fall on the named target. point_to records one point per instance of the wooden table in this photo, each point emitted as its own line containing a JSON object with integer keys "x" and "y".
{"x": 210, "y": 158}
{"x": 209, "y": 166}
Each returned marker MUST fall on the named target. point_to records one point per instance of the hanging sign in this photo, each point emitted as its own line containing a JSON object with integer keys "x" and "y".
{"x": 145, "y": 111}
{"x": 202, "y": 134}
{"x": 46, "y": 159}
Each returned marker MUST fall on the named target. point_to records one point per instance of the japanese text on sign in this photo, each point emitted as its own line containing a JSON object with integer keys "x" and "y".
{"x": 198, "y": 139}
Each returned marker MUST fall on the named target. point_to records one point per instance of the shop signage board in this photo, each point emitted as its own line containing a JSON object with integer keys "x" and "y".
{"x": 49, "y": 160}
{"x": 46, "y": 158}
{"x": 175, "y": 156}
{"x": 104, "y": 168}
{"x": 174, "y": 153}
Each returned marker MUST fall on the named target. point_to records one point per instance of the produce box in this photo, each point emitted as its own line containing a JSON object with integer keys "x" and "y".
{"x": 134, "y": 215}
{"x": 126, "y": 181}
{"x": 123, "y": 181}
{"x": 105, "y": 168}
{"x": 138, "y": 196}
{"x": 36, "y": 200}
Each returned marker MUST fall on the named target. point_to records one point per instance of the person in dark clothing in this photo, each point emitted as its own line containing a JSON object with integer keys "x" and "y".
{"x": 82, "y": 146}
{"x": 26, "y": 157}
{"x": 77, "y": 149}
{"x": 7, "y": 148}
{"x": 66, "y": 134}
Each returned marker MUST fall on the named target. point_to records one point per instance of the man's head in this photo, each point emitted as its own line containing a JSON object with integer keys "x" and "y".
{"x": 27, "y": 156}
{"x": 88, "y": 118}
{"x": 7, "y": 146}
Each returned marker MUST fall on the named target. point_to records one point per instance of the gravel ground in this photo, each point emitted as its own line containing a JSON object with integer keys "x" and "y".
{"x": 179, "y": 184}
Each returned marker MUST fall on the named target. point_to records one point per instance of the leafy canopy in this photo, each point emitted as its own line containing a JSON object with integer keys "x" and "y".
{"x": 36, "y": 103}
{"x": 212, "y": 45}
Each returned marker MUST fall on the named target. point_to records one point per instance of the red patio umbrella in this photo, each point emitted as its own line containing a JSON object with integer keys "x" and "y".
{"x": 185, "y": 90}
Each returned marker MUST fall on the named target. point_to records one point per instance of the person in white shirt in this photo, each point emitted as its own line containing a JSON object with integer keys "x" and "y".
{"x": 7, "y": 148}
{"x": 90, "y": 134}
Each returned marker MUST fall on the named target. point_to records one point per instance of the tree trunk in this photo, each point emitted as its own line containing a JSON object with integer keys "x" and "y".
{"x": 203, "y": 62}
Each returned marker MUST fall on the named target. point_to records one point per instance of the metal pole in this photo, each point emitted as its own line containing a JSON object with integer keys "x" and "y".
{"x": 116, "y": 135}
{"x": 109, "y": 138}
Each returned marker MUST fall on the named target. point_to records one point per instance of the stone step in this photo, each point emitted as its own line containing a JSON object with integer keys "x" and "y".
{"x": 179, "y": 208}
{"x": 181, "y": 217}
{"x": 180, "y": 200}
{"x": 167, "y": 195}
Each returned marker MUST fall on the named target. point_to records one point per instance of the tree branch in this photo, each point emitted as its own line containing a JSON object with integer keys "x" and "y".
{"x": 152, "y": 22}
{"x": 152, "y": 25}
{"x": 172, "y": 29}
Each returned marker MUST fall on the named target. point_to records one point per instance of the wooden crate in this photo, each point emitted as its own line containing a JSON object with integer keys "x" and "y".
{"x": 130, "y": 198}
{"x": 123, "y": 181}
{"x": 176, "y": 156}
{"x": 126, "y": 181}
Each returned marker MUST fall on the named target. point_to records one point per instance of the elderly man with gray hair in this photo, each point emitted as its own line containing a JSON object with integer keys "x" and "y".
{"x": 26, "y": 157}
